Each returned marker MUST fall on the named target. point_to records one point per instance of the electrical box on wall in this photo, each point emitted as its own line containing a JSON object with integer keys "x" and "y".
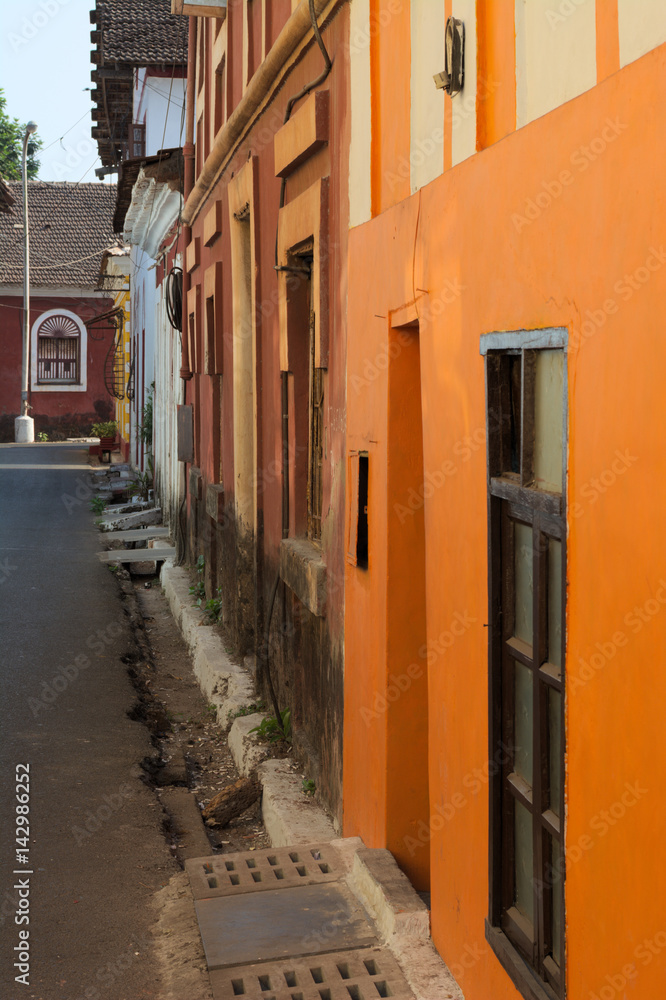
{"x": 185, "y": 434}
{"x": 453, "y": 77}
{"x": 357, "y": 548}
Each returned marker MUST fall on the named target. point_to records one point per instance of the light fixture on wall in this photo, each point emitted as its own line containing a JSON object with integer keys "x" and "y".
{"x": 453, "y": 77}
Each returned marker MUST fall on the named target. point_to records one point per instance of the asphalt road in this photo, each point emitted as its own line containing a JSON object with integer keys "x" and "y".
{"x": 96, "y": 853}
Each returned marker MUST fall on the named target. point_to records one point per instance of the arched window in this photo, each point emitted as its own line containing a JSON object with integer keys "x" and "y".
{"x": 59, "y": 350}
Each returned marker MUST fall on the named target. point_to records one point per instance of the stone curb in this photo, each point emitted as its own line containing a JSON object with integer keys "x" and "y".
{"x": 403, "y": 922}
{"x": 226, "y": 684}
{"x": 290, "y": 817}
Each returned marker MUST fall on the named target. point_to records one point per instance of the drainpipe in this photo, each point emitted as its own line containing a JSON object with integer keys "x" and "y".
{"x": 188, "y": 184}
{"x": 298, "y": 25}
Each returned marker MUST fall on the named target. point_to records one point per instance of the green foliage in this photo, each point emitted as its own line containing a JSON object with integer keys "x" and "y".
{"x": 309, "y": 787}
{"x": 272, "y": 731}
{"x": 212, "y": 609}
{"x": 105, "y": 429}
{"x": 11, "y": 146}
{"x": 198, "y": 589}
{"x": 98, "y": 505}
{"x": 42, "y": 436}
{"x": 145, "y": 429}
{"x": 142, "y": 486}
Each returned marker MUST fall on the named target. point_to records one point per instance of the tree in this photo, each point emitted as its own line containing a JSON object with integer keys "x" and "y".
{"x": 11, "y": 146}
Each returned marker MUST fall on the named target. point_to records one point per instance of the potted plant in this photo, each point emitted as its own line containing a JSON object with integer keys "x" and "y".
{"x": 106, "y": 432}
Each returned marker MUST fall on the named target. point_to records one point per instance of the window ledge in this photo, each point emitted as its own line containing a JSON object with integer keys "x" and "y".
{"x": 523, "y": 977}
{"x": 304, "y": 571}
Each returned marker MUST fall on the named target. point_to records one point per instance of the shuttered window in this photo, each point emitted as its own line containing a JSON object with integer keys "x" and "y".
{"x": 58, "y": 351}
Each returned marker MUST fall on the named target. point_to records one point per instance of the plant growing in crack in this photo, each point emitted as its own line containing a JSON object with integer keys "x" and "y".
{"x": 309, "y": 787}
{"x": 198, "y": 589}
{"x": 272, "y": 731}
{"x": 98, "y": 505}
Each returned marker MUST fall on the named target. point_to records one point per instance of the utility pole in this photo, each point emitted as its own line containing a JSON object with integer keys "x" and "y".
{"x": 24, "y": 426}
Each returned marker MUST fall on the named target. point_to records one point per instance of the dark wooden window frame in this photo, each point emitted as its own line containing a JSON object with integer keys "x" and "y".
{"x": 522, "y": 950}
{"x": 53, "y": 354}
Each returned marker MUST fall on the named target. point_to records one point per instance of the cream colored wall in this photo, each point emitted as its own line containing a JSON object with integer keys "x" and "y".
{"x": 642, "y": 26}
{"x": 426, "y": 153}
{"x": 361, "y": 118}
{"x": 463, "y": 105}
{"x": 555, "y": 54}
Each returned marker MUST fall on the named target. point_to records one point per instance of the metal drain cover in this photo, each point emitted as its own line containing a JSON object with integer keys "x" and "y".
{"x": 264, "y": 926}
{"x": 366, "y": 974}
{"x": 252, "y": 871}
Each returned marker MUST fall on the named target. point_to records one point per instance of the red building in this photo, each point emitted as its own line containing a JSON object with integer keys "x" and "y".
{"x": 264, "y": 338}
{"x": 70, "y": 227}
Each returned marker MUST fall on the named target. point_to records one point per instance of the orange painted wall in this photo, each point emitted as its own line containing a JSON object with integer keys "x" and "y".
{"x": 505, "y": 241}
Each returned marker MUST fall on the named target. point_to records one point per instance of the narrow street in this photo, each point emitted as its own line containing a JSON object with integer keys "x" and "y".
{"x": 97, "y": 853}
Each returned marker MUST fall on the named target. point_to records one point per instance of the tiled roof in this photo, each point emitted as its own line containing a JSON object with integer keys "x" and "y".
{"x": 67, "y": 222}
{"x": 140, "y": 33}
{"x": 128, "y": 34}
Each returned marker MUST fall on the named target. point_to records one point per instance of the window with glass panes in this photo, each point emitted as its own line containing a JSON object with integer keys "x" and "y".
{"x": 526, "y": 422}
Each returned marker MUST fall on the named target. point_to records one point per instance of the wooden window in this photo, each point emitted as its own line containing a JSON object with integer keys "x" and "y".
{"x": 137, "y": 140}
{"x": 58, "y": 351}
{"x": 526, "y": 424}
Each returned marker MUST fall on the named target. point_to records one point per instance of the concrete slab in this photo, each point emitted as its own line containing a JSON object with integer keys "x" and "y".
{"x": 135, "y": 555}
{"x": 281, "y": 923}
{"x": 387, "y": 894}
{"x": 290, "y": 817}
{"x": 262, "y": 871}
{"x": 140, "y": 534}
{"x": 111, "y": 522}
{"x": 367, "y": 972}
{"x": 186, "y": 823}
{"x": 245, "y": 749}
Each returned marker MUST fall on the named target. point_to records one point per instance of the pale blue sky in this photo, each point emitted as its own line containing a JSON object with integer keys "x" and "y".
{"x": 44, "y": 68}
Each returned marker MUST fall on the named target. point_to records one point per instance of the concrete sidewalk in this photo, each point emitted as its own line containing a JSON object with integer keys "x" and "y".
{"x": 314, "y": 917}
{"x": 329, "y": 921}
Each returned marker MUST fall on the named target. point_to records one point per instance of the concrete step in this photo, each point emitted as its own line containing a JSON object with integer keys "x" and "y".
{"x": 137, "y": 555}
{"x": 138, "y": 534}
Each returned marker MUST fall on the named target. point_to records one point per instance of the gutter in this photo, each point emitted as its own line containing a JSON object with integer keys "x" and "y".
{"x": 272, "y": 70}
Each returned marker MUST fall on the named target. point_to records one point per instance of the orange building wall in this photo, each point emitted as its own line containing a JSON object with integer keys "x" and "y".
{"x": 558, "y": 224}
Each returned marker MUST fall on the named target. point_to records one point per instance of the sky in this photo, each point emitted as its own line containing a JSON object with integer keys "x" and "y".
{"x": 44, "y": 71}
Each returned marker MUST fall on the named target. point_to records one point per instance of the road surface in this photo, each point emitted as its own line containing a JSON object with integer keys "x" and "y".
{"x": 94, "y": 854}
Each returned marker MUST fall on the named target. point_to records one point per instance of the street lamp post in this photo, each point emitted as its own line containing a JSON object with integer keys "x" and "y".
{"x": 24, "y": 426}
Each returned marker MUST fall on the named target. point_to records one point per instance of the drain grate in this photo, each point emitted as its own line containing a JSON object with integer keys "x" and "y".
{"x": 276, "y": 868}
{"x": 364, "y": 974}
